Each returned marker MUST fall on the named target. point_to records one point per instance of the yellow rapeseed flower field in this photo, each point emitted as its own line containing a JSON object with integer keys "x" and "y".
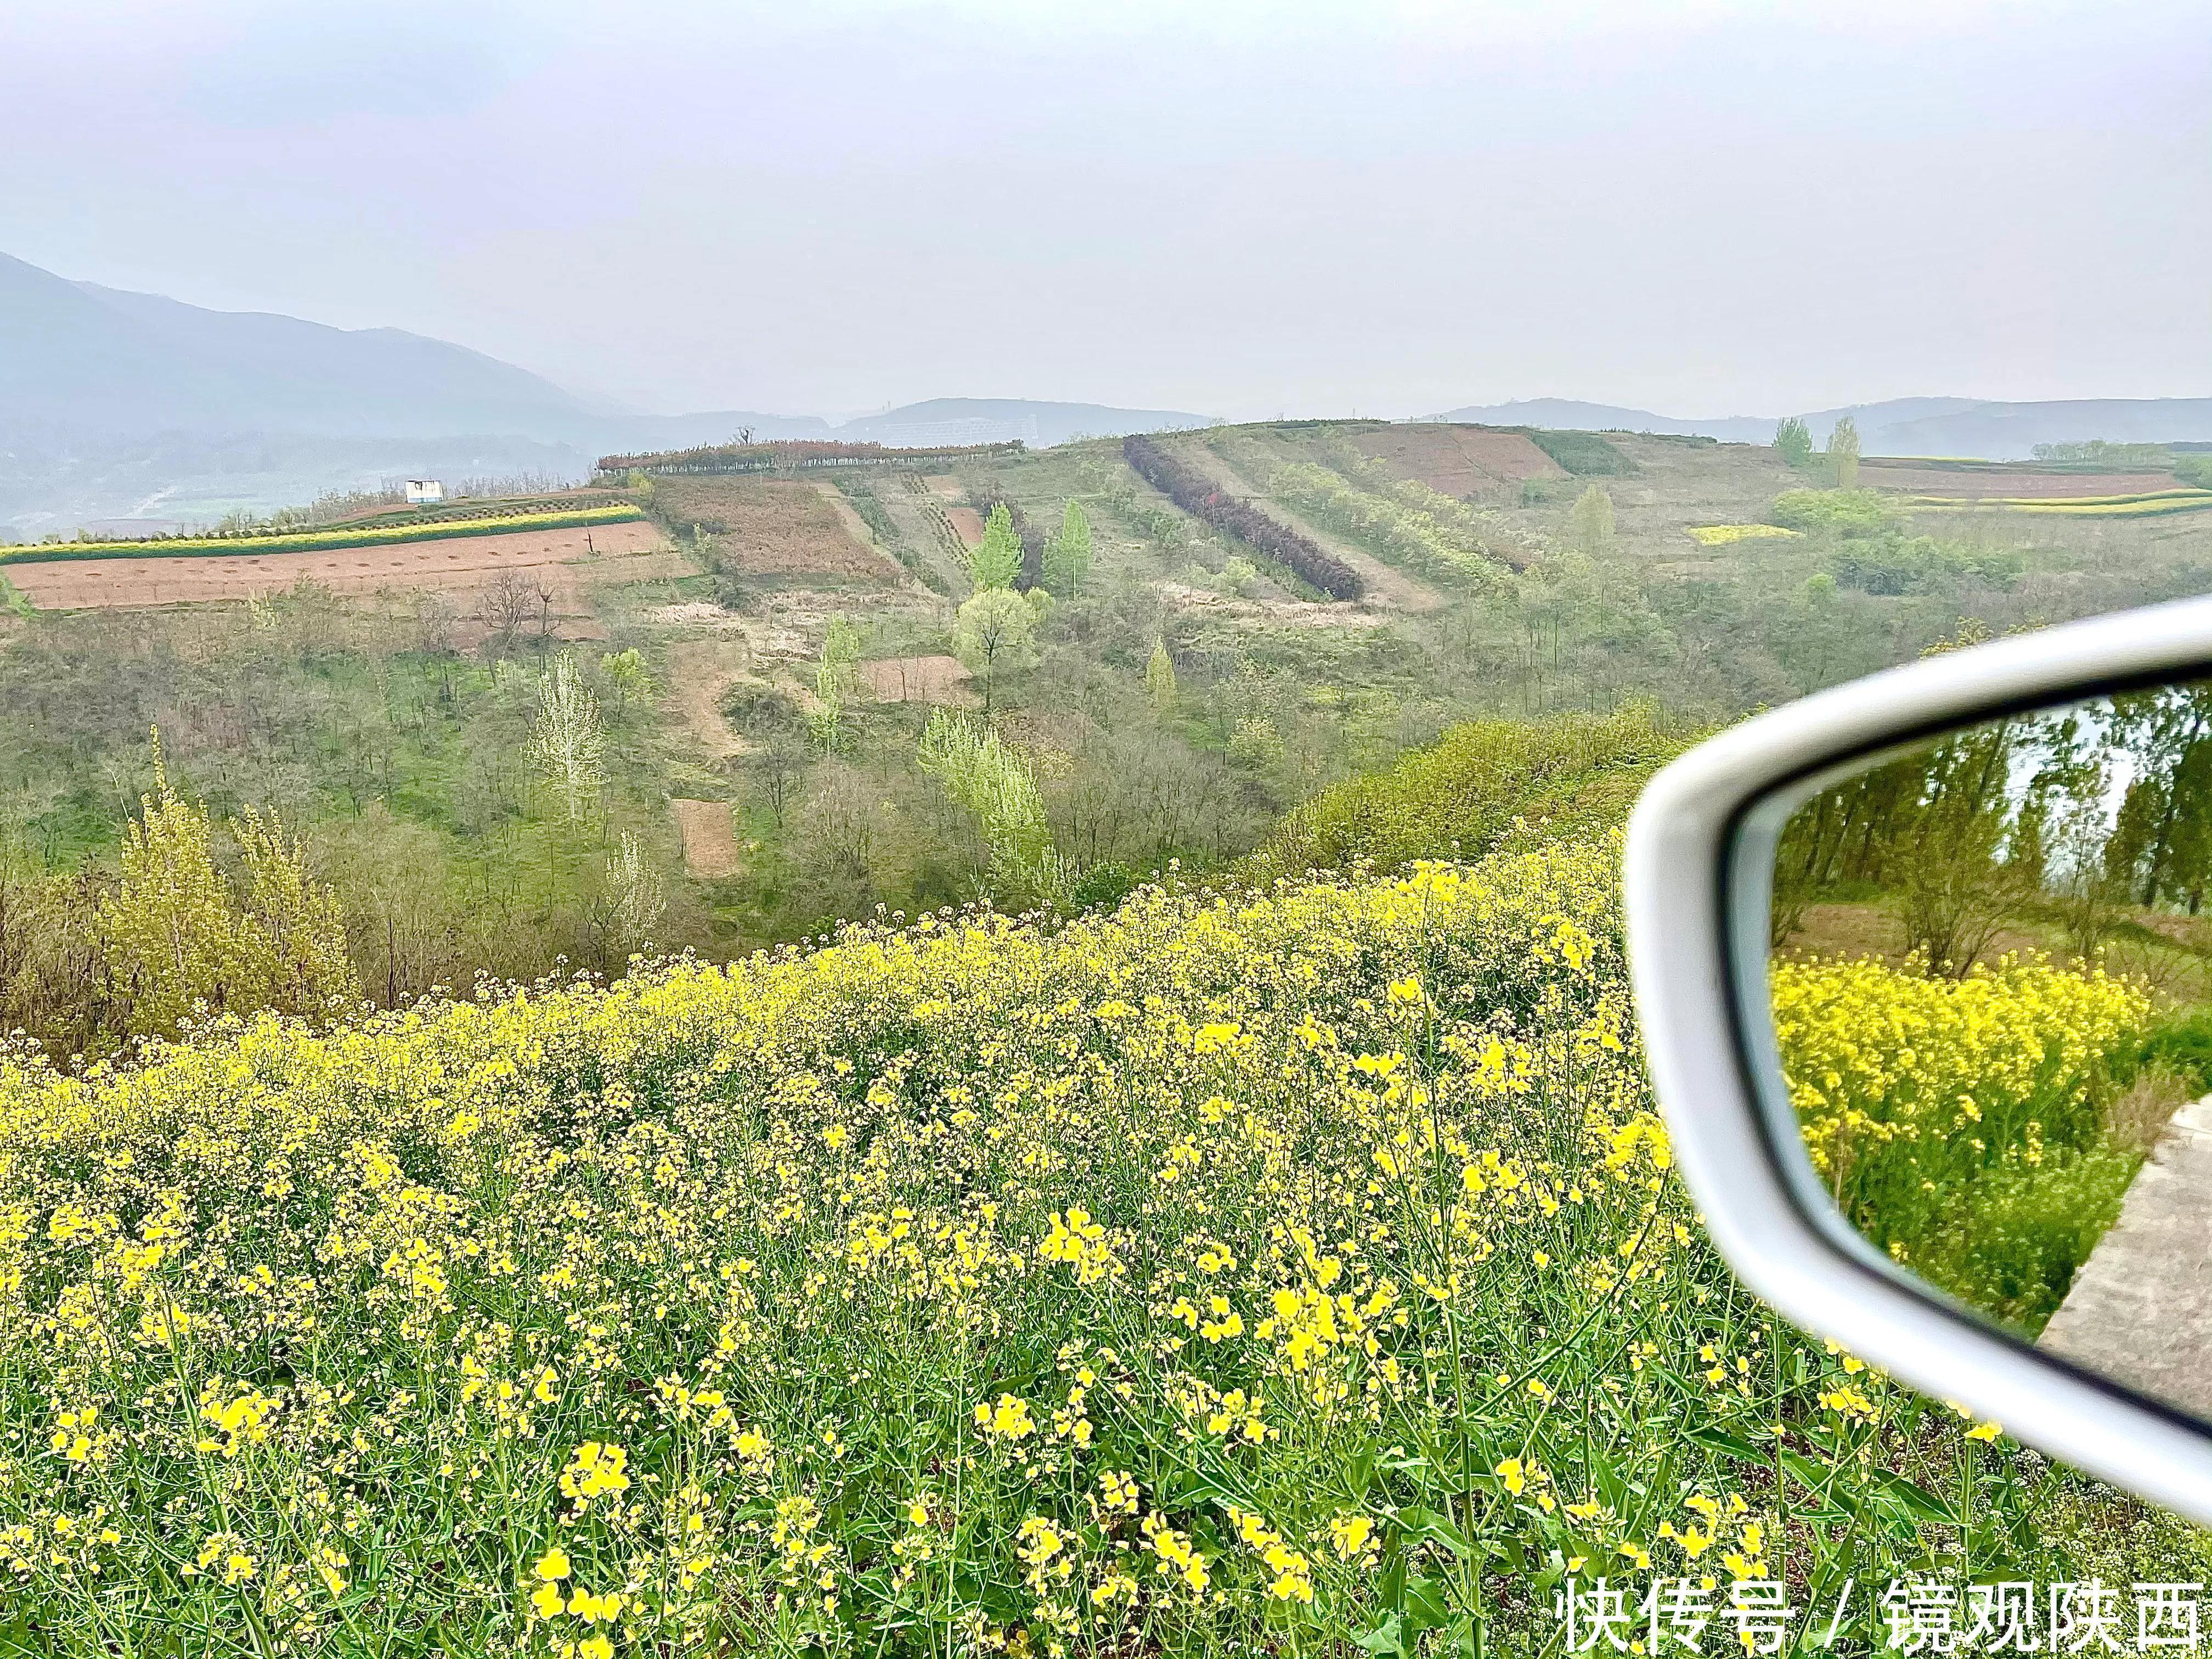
{"x": 1961, "y": 1123}
{"x": 1227, "y": 1275}
{"x": 1720, "y": 535}
{"x": 325, "y": 538}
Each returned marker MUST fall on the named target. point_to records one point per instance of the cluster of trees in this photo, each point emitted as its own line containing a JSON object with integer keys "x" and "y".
{"x": 1058, "y": 563}
{"x": 1793, "y": 442}
{"x": 88, "y": 962}
{"x": 1872, "y": 553}
{"x": 1017, "y": 572}
{"x": 995, "y": 781}
{"x": 1197, "y": 495}
{"x": 1900, "y": 564}
{"x": 2097, "y": 451}
{"x": 469, "y": 814}
{"x": 1483, "y": 787}
{"x": 2080, "y": 817}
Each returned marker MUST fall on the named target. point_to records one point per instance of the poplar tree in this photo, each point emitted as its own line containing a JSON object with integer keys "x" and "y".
{"x": 1067, "y": 560}
{"x": 1590, "y": 525}
{"x": 999, "y": 560}
{"x": 1160, "y": 678}
{"x": 1793, "y": 442}
{"x": 1843, "y": 453}
{"x": 836, "y": 672}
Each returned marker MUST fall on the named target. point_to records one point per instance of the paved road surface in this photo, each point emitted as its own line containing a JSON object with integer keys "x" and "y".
{"x": 2141, "y": 1307}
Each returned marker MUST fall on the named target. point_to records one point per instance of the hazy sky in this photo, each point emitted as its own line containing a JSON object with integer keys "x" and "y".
{"x": 1234, "y": 209}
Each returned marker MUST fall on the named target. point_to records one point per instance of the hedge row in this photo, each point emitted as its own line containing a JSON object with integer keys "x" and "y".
{"x": 794, "y": 455}
{"x": 316, "y": 541}
{"x": 1198, "y": 496}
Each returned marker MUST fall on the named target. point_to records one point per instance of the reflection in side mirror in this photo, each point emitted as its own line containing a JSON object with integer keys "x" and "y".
{"x": 1991, "y": 981}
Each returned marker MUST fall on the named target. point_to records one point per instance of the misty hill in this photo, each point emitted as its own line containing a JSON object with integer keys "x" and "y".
{"x": 115, "y": 404}
{"x": 2005, "y": 432}
{"x": 105, "y": 363}
{"x": 1901, "y": 425}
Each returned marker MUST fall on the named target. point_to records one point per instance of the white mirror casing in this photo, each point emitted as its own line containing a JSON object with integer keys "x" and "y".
{"x": 1699, "y": 862}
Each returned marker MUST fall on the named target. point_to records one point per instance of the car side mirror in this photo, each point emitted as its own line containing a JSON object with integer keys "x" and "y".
{"x": 1898, "y": 951}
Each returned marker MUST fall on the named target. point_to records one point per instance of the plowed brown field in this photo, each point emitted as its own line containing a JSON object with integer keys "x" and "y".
{"x": 918, "y": 679}
{"x": 2000, "y": 485}
{"x": 563, "y": 561}
{"x": 1459, "y": 460}
{"x": 968, "y": 523}
{"x": 777, "y": 528}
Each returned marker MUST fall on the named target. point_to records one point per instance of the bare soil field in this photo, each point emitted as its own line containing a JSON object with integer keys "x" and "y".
{"x": 968, "y": 523}
{"x": 779, "y": 527}
{"x": 1458, "y": 460}
{"x": 564, "y": 563}
{"x": 2000, "y": 483}
{"x": 918, "y": 679}
{"x": 700, "y": 671}
{"x": 710, "y": 838}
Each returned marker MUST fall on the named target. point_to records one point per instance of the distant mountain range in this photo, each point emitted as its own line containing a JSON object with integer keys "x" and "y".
{"x": 120, "y": 405}
{"x": 116, "y": 405}
{"x": 1902, "y": 425}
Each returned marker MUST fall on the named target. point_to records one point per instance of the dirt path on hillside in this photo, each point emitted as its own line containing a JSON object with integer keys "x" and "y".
{"x": 709, "y": 836}
{"x": 1386, "y": 587}
{"x": 700, "y": 671}
{"x": 2141, "y": 1308}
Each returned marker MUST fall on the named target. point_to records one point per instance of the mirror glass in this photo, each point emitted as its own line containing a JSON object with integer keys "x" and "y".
{"x": 1990, "y": 971}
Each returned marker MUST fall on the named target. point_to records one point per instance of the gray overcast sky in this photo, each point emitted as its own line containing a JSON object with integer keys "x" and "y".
{"x": 1704, "y": 207}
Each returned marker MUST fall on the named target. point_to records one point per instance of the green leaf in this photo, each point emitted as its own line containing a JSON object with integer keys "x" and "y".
{"x": 1428, "y": 1525}
{"x": 1427, "y": 1607}
{"x": 1388, "y": 1637}
{"x": 1916, "y": 1501}
{"x": 1720, "y": 1442}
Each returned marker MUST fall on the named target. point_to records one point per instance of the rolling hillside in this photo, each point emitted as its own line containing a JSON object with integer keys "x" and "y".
{"x": 1901, "y": 425}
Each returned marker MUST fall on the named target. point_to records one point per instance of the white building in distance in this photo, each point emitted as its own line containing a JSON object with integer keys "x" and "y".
{"x": 420, "y": 492}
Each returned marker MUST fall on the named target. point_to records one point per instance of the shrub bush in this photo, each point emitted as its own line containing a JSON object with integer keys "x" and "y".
{"x": 1846, "y": 512}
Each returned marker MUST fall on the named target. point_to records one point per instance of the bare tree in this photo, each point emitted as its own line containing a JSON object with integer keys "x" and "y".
{"x": 510, "y": 601}
{"x": 435, "y": 616}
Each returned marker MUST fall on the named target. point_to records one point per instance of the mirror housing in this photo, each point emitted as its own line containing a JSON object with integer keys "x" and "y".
{"x": 1698, "y": 879}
